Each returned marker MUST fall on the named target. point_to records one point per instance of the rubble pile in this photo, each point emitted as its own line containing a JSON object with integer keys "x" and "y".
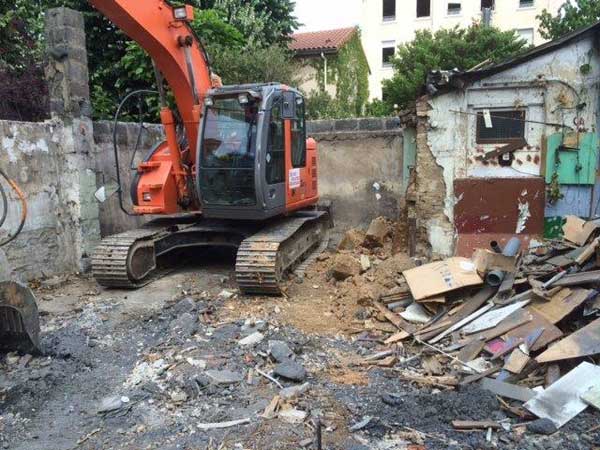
{"x": 521, "y": 323}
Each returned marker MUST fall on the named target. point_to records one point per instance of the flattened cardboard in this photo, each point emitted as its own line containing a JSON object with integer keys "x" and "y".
{"x": 561, "y": 304}
{"x": 440, "y": 277}
{"x": 584, "y": 342}
{"x": 578, "y": 230}
{"x": 486, "y": 260}
{"x": 561, "y": 401}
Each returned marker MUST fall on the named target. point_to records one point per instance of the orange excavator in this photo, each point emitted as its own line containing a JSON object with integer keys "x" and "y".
{"x": 241, "y": 174}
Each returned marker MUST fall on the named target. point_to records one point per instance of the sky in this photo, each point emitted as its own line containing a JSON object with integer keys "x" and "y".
{"x": 327, "y": 14}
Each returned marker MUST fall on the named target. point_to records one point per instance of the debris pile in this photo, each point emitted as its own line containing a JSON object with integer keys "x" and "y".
{"x": 523, "y": 323}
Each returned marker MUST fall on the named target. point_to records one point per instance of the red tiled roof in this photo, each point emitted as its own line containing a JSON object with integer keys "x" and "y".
{"x": 328, "y": 41}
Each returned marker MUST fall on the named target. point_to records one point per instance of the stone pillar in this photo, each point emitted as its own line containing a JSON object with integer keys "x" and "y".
{"x": 68, "y": 85}
{"x": 67, "y": 68}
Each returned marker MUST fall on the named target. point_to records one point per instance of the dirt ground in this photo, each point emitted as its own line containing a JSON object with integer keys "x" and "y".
{"x": 149, "y": 353}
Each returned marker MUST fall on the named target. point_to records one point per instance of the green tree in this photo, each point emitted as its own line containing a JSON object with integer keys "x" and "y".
{"x": 570, "y": 16}
{"x": 460, "y": 48}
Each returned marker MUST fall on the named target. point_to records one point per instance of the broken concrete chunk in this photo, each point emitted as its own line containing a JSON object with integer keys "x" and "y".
{"x": 292, "y": 416}
{"x": 365, "y": 263}
{"x": 345, "y": 266}
{"x": 378, "y": 230}
{"x": 290, "y": 370}
{"x": 108, "y": 404}
{"x": 185, "y": 325}
{"x": 352, "y": 239}
{"x": 224, "y": 377}
{"x": 280, "y": 351}
{"x": 252, "y": 339}
{"x": 293, "y": 392}
{"x": 186, "y": 305}
{"x": 542, "y": 426}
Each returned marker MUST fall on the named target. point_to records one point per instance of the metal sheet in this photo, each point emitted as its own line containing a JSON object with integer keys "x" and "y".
{"x": 561, "y": 401}
{"x": 498, "y": 209}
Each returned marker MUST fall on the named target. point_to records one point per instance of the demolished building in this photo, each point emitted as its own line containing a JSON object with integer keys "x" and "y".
{"x": 508, "y": 149}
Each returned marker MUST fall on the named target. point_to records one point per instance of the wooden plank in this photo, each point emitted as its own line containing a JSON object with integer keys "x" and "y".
{"x": 396, "y": 337}
{"x": 552, "y": 375}
{"x": 562, "y": 304}
{"x": 583, "y": 342}
{"x": 507, "y": 390}
{"x": 395, "y": 319}
{"x": 516, "y": 362}
{"x": 493, "y": 318}
{"x": 516, "y": 319}
{"x": 466, "y": 309}
{"x": 475, "y": 425}
{"x": 478, "y": 376}
{"x": 470, "y": 351}
{"x": 576, "y": 279}
{"x": 551, "y": 332}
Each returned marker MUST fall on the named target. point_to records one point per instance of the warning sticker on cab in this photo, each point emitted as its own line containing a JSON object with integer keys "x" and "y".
{"x": 294, "y": 178}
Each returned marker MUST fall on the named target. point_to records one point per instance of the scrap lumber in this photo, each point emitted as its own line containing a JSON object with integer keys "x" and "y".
{"x": 561, "y": 401}
{"x": 507, "y": 390}
{"x": 578, "y": 231}
{"x": 550, "y": 334}
{"x": 516, "y": 362}
{"x": 475, "y": 425}
{"x": 466, "y": 309}
{"x": 470, "y": 351}
{"x": 552, "y": 375}
{"x": 584, "y": 342}
{"x": 443, "y": 381}
{"x": 588, "y": 252}
{"x": 458, "y": 325}
{"x": 396, "y": 337}
{"x": 516, "y": 319}
{"x": 577, "y": 279}
{"x": 478, "y": 376}
{"x": 395, "y": 319}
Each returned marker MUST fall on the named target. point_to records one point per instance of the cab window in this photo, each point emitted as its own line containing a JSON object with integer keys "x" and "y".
{"x": 299, "y": 138}
{"x": 275, "y": 158}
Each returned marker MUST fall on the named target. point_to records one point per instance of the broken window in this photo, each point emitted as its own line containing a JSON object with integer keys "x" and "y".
{"x": 500, "y": 126}
{"x": 487, "y": 4}
{"x": 526, "y": 3}
{"x": 387, "y": 52}
{"x": 389, "y": 10}
{"x": 423, "y": 8}
{"x": 453, "y": 9}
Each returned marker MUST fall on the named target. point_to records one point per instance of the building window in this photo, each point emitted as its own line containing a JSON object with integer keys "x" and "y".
{"x": 389, "y": 10}
{"x": 506, "y": 126}
{"x": 454, "y": 9}
{"x": 388, "y": 49}
{"x": 526, "y": 34}
{"x": 487, "y": 4}
{"x": 526, "y": 3}
{"x": 423, "y": 8}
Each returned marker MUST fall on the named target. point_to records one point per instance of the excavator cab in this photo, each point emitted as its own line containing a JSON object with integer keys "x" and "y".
{"x": 252, "y": 152}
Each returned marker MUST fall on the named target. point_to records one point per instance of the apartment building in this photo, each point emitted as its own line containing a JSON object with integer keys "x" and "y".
{"x": 385, "y": 24}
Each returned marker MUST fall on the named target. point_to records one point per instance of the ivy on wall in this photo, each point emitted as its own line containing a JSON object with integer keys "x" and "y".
{"x": 348, "y": 71}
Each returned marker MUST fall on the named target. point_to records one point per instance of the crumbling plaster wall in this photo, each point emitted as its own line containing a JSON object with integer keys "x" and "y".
{"x": 547, "y": 87}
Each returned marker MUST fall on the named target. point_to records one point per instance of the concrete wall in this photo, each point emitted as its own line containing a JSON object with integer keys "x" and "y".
{"x": 507, "y": 15}
{"x": 547, "y": 87}
{"x": 360, "y": 168}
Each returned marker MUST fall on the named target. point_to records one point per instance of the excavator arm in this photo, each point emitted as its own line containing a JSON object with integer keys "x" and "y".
{"x": 163, "y": 31}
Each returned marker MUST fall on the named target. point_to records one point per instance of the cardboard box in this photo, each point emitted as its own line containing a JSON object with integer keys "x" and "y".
{"x": 440, "y": 277}
{"x": 486, "y": 260}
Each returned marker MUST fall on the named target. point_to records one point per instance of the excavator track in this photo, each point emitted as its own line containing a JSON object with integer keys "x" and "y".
{"x": 127, "y": 260}
{"x": 264, "y": 258}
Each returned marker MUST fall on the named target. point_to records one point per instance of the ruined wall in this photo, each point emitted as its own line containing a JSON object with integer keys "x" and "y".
{"x": 548, "y": 88}
{"x": 360, "y": 168}
{"x": 112, "y": 218}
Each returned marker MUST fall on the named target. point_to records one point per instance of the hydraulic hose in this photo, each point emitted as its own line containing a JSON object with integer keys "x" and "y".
{"x": 21, "y": 196}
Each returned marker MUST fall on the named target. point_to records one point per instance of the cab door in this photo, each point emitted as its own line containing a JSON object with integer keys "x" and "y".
{"x": 295, "y": 156}
{"x": 274, "y": 160}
